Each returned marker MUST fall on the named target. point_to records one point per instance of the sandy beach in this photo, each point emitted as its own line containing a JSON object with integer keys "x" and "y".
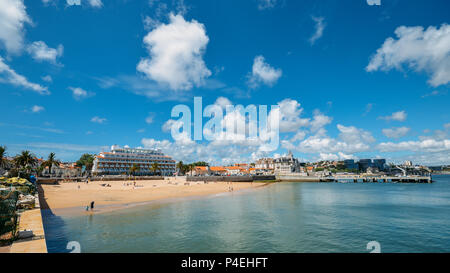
{"x": 70, "y": 195}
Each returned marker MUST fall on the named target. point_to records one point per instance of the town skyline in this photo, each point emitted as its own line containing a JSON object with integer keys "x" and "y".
{"x": 378, "y": 89}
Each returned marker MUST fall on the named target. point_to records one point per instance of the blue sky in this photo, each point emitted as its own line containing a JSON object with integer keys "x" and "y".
{"x": 353, "y": 80}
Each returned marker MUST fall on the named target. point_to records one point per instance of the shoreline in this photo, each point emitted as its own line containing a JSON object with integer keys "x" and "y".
{"x": 68, "y": 197}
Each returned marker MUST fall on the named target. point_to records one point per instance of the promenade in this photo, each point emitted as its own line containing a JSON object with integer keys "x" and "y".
{"x": 31, "y": 220}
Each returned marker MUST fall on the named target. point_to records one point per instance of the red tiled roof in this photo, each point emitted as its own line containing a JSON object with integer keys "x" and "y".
{"x": 218, "y": 169}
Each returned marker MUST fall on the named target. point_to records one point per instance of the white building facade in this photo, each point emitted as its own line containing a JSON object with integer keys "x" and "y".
{"x": 286, "y": 165}
{"x": 119, "y": 161}
{"x": 264, "y": 163}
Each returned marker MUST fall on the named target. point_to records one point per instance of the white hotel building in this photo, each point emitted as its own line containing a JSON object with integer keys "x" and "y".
{"x": 119, "y": 161}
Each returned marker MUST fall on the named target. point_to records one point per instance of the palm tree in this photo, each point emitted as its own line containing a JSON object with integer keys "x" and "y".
{"x": 133, "y": 169}
{"x": 50, "y": 162}
{"x": 40, "y": 170}
{"x": 155, "y": 167}
{"x": 3, "y": 160}
{"x": 180, "y": 167}
{"x": 190, "y": 168}
{"x": 26, "y": 160}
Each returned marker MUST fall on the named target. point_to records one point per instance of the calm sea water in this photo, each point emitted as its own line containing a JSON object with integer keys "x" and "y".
{"x": 285, "y": 217}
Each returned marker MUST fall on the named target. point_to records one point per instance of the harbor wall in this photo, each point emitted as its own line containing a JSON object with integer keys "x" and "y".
{"x": 297, "y": 178}
{"x": 230, "y": 178}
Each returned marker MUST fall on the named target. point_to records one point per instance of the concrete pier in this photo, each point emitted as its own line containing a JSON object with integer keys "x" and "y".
{"x": 31, "y": 220}
{"x": 354, "y": 179}
{"x": 383, "y": 179}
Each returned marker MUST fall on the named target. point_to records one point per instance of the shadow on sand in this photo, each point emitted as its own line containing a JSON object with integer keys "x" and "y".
{"x": 53, "y": 226}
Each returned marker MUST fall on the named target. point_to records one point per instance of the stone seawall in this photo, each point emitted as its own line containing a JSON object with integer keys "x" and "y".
{"x": 297, "y": 178}
{"x": 229, "y": 178}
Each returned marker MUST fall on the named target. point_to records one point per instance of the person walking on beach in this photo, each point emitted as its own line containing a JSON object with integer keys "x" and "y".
{"x": 92, "y": 205}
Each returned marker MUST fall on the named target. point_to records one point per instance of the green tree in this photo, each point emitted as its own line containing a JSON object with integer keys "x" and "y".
{"x": 200, "y": 163}
{"x": 51, "y": 160}
{"x": 86, "y": 160}
{"x": 155, "y": 167}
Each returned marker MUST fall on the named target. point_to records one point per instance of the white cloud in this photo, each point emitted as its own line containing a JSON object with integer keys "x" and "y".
{"x": 374, "y": 2}
{"x": 73, "y": 2}
{"x": 319, "y": 28}
{"x": 319, "y": 121}
{"x": 65, "y": 151}
{"x": 149, "y": 119}
{"x": 8, "y": 75}
{"x": 37, "y": 109}
{"x": 300, "y": 135}
{"x": 266, "y": 4}
{"x": 418, "y": 49}
{"x": 369, "y": 107}
{"x": 350, "y": 140}
{"x": 222, "y": 102}
{"x": 13, "y": 17}
{"x": 434, "y": 149}
{"x": 176, "y": 54}
{"x": 397, "y": 116}
{"x": 262, "y": 72}
{"x": 167, "y": 126}
{"x": 426, "y": 145}
{"x": 150, "y": 23}
{"x": 396, "y": 132}
{"x": 34, "y": 128}
{"x": 92, "y": 3}
{"x": 96, "y": 3}
{"x": 435, "y": 93}
{"x": 353, "y": 135}
{"x": 334, "y": 157}
{"x": 79, "y": 93}
{"x": 47, "y": 78}
{"x": 290, "y": 112}
{"x": 142, "y": 86}
{"x": 99, "y": 120}
{"x": 41, "y": 52}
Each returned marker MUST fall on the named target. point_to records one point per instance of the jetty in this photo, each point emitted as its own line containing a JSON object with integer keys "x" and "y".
{"x": 382, "y": 179}
{"x": 354, "y": 178}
